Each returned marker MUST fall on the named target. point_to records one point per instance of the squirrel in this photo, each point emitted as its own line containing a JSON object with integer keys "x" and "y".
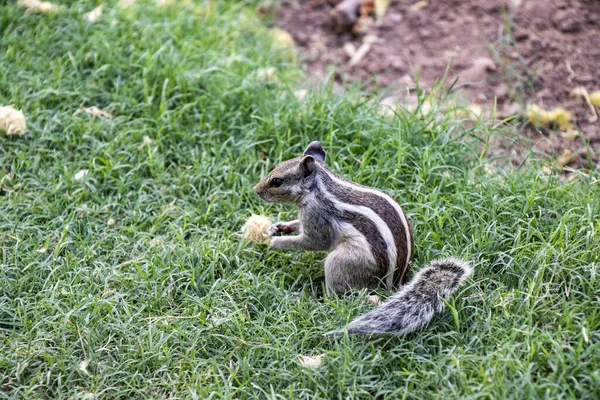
{"x": 371, "y": 238}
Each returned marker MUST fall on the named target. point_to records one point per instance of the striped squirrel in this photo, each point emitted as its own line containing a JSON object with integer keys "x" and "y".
{"x": 371, "y": 239}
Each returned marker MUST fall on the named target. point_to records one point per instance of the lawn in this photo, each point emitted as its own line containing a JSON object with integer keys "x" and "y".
{"x": 132, "y": 282}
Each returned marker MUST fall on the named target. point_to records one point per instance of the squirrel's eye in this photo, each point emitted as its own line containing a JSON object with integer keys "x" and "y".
{"x": 276, "y": 182}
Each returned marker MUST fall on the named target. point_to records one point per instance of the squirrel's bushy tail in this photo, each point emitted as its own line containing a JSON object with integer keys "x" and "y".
{"x": 415, "y": 304}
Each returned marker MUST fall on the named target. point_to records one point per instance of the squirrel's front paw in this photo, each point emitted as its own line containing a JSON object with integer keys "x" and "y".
{"x": 283, "y": 227}
{"x": 276, "y": 229}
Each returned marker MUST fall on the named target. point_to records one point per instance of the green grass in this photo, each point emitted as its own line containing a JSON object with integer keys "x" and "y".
{"x": 74, "y": 289}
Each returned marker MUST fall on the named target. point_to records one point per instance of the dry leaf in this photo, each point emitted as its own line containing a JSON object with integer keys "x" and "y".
{"x": 12, "y": 121}
{"x": 93, "y": 15}
{"x": 581, "y": 93}
{"x": 42, "y": 250}
{"x": 350, "y": 49}
{"x": 96, "y": 112}
{"x": 566, "y": 156}
{"x": 363, "y": 49}
{"x": 570, "y": 134}
{"x": 380, "y": 8}
{"x": 111, "y": 222}
{"x": 310, "y": 361}
{"x": 374, "y": 299}
{"x": 578, "y": 93}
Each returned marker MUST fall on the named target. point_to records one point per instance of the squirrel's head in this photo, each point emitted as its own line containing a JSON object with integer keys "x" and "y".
{"x": 291, "y": 180}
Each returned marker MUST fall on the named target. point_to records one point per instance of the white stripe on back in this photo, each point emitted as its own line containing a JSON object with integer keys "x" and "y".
{"x": 382, "y": 227}
{"x": 396, "y": 206}
{"x": 352, "y": 236}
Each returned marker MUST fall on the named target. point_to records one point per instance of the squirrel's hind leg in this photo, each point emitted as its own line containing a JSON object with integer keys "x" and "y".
{"x": 348, "y": 268}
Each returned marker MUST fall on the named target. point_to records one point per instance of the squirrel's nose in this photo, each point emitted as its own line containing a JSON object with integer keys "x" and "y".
{"x": 256, "y": 188}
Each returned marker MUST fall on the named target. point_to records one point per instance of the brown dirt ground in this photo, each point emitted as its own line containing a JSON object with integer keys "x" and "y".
{"x": 549, "y": 48}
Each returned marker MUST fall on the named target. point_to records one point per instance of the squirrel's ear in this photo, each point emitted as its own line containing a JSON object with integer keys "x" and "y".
{"x": 316, "y": 150}
{"x": 307, "y": 165}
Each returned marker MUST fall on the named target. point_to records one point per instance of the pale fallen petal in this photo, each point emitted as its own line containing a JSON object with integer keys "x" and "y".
{"x": 12, "y": 121}
{"x": 81, "y": 174}
{"x": 43, "y": 7}
{"x": 96, "y": 112}
{"x": 310, "y": 361}
{"x": 83, "y": 366}
{"x": 93, "y": 15}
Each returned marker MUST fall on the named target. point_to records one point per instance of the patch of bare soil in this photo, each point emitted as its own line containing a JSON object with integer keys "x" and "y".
{"x": 515, "y": 51}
